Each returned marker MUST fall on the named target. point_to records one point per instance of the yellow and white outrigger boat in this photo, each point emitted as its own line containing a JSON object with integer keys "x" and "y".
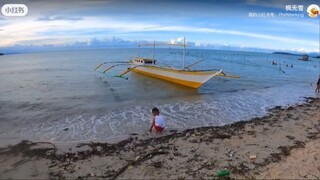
{"x": 184, "y": 76}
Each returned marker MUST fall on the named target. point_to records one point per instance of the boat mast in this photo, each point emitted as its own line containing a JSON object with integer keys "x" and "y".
{"x": 184, "y": 52}
{"x": 139, "y": 50}
{"x": 154, "y": 50}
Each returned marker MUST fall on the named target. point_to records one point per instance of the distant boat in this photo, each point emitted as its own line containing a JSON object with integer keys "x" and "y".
{"x": 304, "y": 57}
{"x": 183, "y": 76}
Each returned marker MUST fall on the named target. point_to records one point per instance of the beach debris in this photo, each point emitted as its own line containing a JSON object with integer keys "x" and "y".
{"x": 251, "y": 132}
{"x": 181, "y": 178}
{"x": 136, "y": 162}
{"x": 230, "y": 153}
{"x": 50, "y": 152}
{"x": 223, "y": 173}
{"x": 61, "y": 162}
{"x": 193, "y": 139}
{"x": 91, "y": 174}
{"x": 253, "y": 157}
{"x": 251, "y": 144}
{"x": 195, "y": 149}
{"x": 290, "y": 137}
{"x": 303, "y": 176}
{"x": 156, "y": 164}
{"x": 173, "y": 131}
{"x": 188, "y": 134}
{"x": 206, "y": 164}
{"x": 137, "y": 158}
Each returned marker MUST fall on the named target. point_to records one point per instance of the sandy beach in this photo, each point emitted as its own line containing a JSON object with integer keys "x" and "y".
{"x": 285, "y": 143}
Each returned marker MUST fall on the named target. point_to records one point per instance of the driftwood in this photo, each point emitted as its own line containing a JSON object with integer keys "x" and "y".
{"x": 26, "y": 148}
{"x": 138, "y": 161}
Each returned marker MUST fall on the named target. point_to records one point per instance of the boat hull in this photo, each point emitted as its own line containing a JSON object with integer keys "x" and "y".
{"x": 193, "y": 79}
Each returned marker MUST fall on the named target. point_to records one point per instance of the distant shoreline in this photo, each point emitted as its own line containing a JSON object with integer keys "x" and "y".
{"x": 293, "y": 54}
{"x": 286, "y": 53}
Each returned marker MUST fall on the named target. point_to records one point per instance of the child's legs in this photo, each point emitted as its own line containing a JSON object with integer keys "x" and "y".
{"x": 151, "y": 119}
{"x": 158, "y": 129}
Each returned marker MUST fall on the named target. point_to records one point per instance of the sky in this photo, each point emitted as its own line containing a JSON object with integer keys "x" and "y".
{"x": 215, "y": 24}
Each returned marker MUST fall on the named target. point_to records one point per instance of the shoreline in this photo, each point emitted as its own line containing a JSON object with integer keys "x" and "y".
{"x": 260, "y": 148}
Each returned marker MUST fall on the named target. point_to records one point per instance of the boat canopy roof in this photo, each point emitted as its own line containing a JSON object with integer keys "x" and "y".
{"x": 146, "y": 60}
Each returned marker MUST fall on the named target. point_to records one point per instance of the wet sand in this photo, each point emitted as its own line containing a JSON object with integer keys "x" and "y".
{"x": 283, "y": 144}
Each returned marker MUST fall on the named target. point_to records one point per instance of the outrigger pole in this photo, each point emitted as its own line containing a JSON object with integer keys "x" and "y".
{"x": 184, "y": 52}
{"x": 99, "y": 66}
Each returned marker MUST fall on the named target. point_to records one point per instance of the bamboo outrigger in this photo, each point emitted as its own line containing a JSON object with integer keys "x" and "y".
{"x": 184, "y": 76}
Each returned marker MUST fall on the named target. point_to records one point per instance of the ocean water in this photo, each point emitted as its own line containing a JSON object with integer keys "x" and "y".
{"x": 43, "y": 94}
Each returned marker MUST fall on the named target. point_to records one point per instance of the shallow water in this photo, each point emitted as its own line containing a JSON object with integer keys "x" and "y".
{"x": 42, "y": 94}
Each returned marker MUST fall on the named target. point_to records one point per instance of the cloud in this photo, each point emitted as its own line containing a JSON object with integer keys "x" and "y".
{"x": 109, "y": 42}
{"x": 201, "y": 45}
{"x": 92, "y": 43}
{"x": 178, "y": 40}
{"x": 155, "y": 27}
{"x": 197, "y": 44}
{"x": 57, "y": 27}
{"x": 190, "y": 29}
{"x": 18, "y": 31}
{"x": 89, "y": 26}
{"x": 59, "y": 18}
{"x": 116, "y": 42}
{"x": 60, "y": 22}
{"x": 303, "y": 50}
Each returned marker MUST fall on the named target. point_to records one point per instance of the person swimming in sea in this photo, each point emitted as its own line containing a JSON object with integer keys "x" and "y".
{"x": 157, "y": 122}
{"x": 318, "y": 85}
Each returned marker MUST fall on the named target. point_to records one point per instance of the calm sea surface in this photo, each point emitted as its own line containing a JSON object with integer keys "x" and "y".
{"x": 42, "y": 94}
